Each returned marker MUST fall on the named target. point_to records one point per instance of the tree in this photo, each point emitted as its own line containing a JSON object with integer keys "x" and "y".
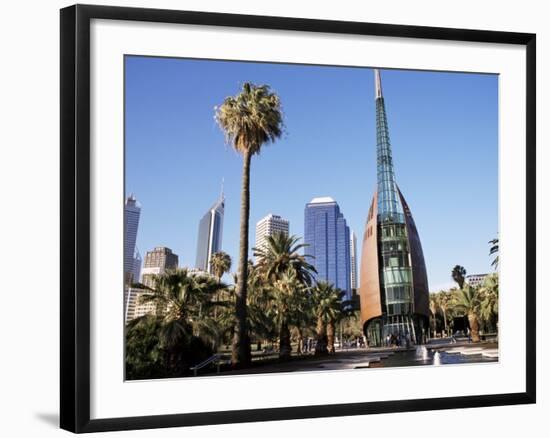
{"x": 287, "y": 289}
{"x": 144, "y": 355}
{"x": 433, "y": 310}
{"x": 281, "y": 265}
{"x": 220, "y": 264}
{"x": 281, "y": 253}
{"x": 489, "y": 299}
{"x": 184, "y": 302}
{"x": 443, "y": 300}
{"x": 459, "y": 274}
{"x": 327, "y": 306}
{"x": 249, "y": 120}
{"x": 468, "y": 301}
{"x": 494, "y": 250}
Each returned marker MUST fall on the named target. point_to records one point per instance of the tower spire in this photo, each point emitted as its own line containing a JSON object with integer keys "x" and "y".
{"x": 377, "y": 84}
{"x": 221, "y": 193}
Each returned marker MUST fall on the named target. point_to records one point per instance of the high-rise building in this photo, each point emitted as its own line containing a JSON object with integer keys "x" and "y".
{"x": 268, "y": 226}
{"x": 157, "y": 262}
{"x": 327, "y": 240}
{"x": 353, "y": 261}
{"x": 210, "y": 235}
{"x": 132, "y": 211}
{"x": 394, "y": 285}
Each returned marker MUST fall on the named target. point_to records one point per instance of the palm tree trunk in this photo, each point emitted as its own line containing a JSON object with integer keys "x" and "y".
{"x": 284, "y": 341}
{"x": 300, "y": 347}
{"x": 321, "y": 347}
{"x": 474, "y": 327}
{"x": 240, "y": 354}
{"x": 330, "y": 337}
{"x": 445, "y": 322}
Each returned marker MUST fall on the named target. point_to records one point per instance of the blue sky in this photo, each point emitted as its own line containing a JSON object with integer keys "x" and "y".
{"x": 443, "y": 130}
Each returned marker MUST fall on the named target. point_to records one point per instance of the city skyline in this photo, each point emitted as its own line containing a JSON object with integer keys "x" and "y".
{"x": 177, "y": 208}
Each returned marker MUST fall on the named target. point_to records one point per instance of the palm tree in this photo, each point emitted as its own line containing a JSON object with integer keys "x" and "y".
{"x": 494, "y": 250}
{"x": 220, "y": 264}
{"x": 260, "y": 297}
{"x": 287, "y": 290}
{"x": 327, "y": 304}
{"x": 459, "y": 274}
{"x": 248, "y": 120}
{"x": 468, "y": 300}
{"x": 183, "y": 305}
{"x": 183, "y": 300}
{"x": 281, "y": 253}
{"x": 489, "y": 299}
{"x": 433, "y": 310}
{"x": 443, "y": 300}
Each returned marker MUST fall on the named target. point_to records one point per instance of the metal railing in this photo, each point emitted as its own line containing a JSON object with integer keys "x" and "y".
{"x": 216, "y": 358}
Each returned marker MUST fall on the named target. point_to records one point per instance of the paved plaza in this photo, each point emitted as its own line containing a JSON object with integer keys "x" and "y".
{"x": 438, "y": 353}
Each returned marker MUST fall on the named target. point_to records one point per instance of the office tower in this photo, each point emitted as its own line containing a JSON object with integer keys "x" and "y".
{"x": 394, "y": 284}
{"x": 210, "y": 235}
{"x": 326, "y": 235}
{"x": 353, "y": 261}
{"x": 268, "y": 226}
{"x": 157, "y": 261}
{"x": 132, "y": 211}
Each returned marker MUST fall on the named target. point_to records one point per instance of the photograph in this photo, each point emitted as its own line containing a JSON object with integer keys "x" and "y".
{"x": 285, "y": 217}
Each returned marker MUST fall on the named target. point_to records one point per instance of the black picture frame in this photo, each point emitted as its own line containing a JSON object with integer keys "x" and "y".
{"x": 75, "y": 217}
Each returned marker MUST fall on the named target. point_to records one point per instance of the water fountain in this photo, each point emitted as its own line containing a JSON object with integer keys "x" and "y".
{"x": 422, "y": 352}
{"x": 437, "y": 359}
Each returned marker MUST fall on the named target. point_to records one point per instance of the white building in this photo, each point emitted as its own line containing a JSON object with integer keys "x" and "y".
{"x": 353, "y": 261}
{"x": 133, "y": 308}
{"x": 268, "y": 226}
{"x": 475, "y": 280}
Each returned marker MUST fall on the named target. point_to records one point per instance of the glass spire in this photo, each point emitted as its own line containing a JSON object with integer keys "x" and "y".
{"x": 389, "y": 207}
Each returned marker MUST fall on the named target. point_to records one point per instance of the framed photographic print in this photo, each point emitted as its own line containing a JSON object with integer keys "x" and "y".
{"x": 287, "y": 218}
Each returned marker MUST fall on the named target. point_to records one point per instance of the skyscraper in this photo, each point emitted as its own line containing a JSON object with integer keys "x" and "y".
{"x": 394, "y": 284}
{"x": 210, "y": 235}
{"x": 132, "y": 211}
{"x": 157, "y": 261}
{"x": 326, "y": 235}
{"x": 268, "y": 226}
{"x": 353, "y": 260}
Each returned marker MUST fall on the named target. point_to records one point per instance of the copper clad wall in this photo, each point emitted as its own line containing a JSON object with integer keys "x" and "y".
{"x": 369, "y": 289}
{"x": 420, "y": 278}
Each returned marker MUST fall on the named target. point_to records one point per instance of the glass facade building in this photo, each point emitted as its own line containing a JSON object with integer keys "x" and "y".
{"x": 210, "y": 235}
{"x": 132, "y": 211}
{"x": 394, "y": 287}
{"x": 327, "y": 237}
